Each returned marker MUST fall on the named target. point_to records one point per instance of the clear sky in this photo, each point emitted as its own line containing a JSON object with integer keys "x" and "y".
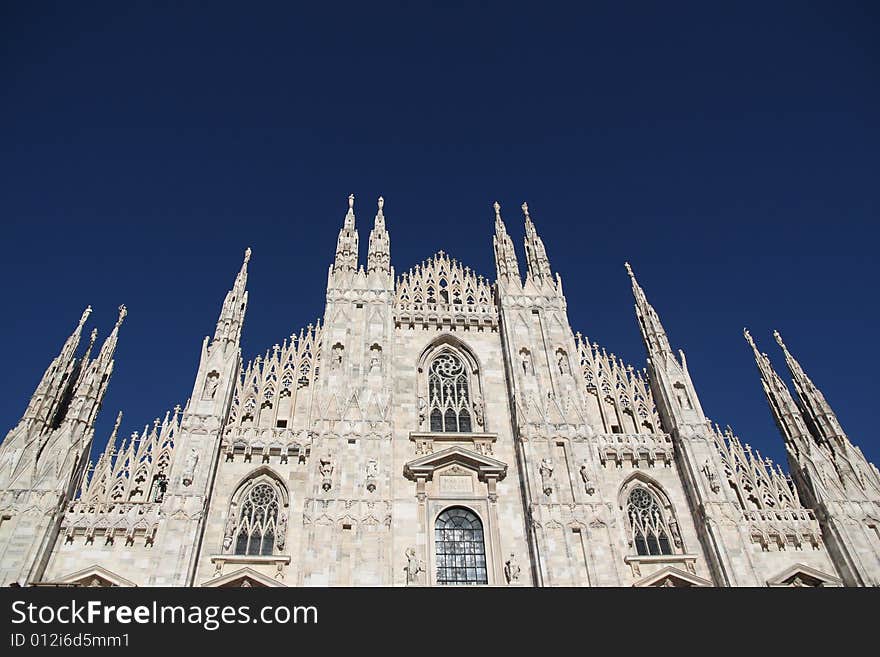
{"x": 730, "y": 154}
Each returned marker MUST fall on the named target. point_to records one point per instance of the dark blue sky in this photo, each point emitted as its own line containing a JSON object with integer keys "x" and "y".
{"x": 729, "y": 154}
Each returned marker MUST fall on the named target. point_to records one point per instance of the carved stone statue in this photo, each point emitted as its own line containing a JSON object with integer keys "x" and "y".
{"x": 212, "y": 382}
{"x": 589, "y": 485}
{"x": 189, "y": 467}
{"x": 546, "y": 471}
{"x": 676, "y": 534}
{"x": 563, "y": 364}
{"x": 372, "y": 473}
{"x": 526, "y": 362}
{"x": 511, "y": 569}
{"x": 711, "y": 477}
{"x": 281, "y": 531}
{"x": 423, "y": 409}
{"x": 478, "y": 409}
{"x": 414, "y": 567}
{"x": 325, "y": 467}
{"x": 229, "y": 533}
{"x": 336, "y": 358}
{"x": 375, "y": 358}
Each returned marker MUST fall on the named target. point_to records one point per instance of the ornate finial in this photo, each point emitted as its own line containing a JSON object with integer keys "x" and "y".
{"x": 85, "y": 315}
{"x": 123, "y": 311}
{"x": 525, "y": 209}
{"x": 93, "y": 336}
{"x": 351, "y": 201}
{"x": 779, "y": 340}
{"x": 497, "y": 207}
{"x": 748, "y": 337}
{"x": 247, "y": 255}
{"x": 629, "y": 270}
{"x": 381, "y": 204}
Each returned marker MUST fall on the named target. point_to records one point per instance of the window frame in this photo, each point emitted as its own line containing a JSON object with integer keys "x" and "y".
{"x": 461, "y": 550}
{"x": 658, "y": 538}
{"x": 469, "y": 418}
{"x": 239, "y": 501}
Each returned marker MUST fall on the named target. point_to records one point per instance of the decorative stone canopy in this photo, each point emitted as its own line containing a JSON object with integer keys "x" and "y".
{"x": 484, "y": 466}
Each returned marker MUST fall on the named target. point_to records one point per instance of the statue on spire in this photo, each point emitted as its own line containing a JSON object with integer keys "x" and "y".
{"x": 347, "y": 243}
{"x": 379, "y": 253}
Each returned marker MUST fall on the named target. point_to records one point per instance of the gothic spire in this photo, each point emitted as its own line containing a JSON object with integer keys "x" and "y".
{"x": 234, "y": 306}
{"x": 95, "y": 377}
{"x": 379, "y": 256}
{"x": 653, "y": 333}
{"x": 57, "y": 379}
{"x": 536, "y": 254}
{"x": 823, "y": 424}
{"x": 105, "y": 356}
{"x": 818, "y": 413}
{"x": 785, "y": 411}
{"x": 347, "y": 243}
{"x": 506, "y": 262}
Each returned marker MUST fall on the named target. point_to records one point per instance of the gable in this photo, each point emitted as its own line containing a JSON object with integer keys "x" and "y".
{"x": 483, "y": 465}
{"x": 803, "y": 575}
{"x": 672, "y": 577}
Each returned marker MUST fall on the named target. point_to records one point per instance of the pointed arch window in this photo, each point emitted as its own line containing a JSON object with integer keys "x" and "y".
{"x": 651, "y": 533}
{"x": 257, "y": 518}
{"x": 257, "y": 521}
{"x": 449, "y": 394}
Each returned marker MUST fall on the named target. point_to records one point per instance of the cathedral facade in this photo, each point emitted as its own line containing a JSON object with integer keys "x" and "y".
{"x": 433, "y": 428}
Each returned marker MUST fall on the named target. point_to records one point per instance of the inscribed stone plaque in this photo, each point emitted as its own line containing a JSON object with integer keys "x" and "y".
{"x": 456, "y": 484}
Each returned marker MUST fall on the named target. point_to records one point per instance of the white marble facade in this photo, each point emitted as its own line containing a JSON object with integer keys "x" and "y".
{"x": 435, "y": 428}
